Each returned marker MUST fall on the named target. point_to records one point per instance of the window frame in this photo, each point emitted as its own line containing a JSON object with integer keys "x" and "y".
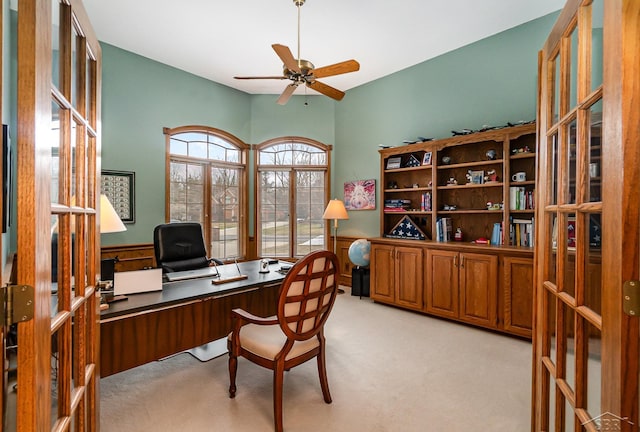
{"x": 292, "y": 169}
{"x": 208, "y": 164}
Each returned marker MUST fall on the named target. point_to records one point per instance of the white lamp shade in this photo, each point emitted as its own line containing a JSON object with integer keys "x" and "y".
{"x": 109, "y": 220}
{"x": 335, "y": 210}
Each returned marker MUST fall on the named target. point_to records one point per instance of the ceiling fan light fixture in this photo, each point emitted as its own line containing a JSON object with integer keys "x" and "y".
{"x": 301, "y": 71}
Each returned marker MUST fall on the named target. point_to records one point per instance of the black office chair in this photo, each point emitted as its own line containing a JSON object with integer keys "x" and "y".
{"x": 179, "y": 246}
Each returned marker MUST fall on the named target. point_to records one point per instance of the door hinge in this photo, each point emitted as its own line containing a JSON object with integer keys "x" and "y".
{"x": 631, "y": 297}
{"x": 17, "y": 304}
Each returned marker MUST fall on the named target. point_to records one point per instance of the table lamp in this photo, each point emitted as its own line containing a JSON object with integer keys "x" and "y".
{"x": 335, "y": 210}
{"x": 110, "y": 222}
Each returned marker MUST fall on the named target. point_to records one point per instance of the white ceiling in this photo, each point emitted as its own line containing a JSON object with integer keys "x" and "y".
{"x": 218, "y": 39}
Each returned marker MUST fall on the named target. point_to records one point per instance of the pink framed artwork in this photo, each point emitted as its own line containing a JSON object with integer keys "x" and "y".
{"x": 360, "y": 195}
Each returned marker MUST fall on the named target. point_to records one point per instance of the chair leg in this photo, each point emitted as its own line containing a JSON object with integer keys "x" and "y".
{"x": 233, "y": 367}
{"x": 322, "y": 372}
{"x": 278, "y": 381}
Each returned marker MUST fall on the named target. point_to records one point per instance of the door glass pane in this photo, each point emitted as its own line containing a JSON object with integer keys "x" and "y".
{"x": 594, "y": 370}
{"x": 74, "y": 162}
{"x": 572, "y": 154}
{"x": 274, "y": 213}
{"x": 555, "y": 90}
{"x": 56, "y": 262}
{"x": 573, "y": 70}
{"x": 595, "y": 152}
{"x": 74, "y": 66}
{"x": 593, "y": 279}
{"x": 55, "y": 152}
{"x": 570, "y": 355}
{"x": 89, "y": 97}
{"x": 596, "y": 43}
{"x": 551, "y": 319}
{"x": 570, "y": 418}
{"x": 55, "y": 43}
{"x": 552, "y": 226}
{"x": 553, "y": 168}
{"x": 309, "y": 223}
{"x": 56, "y": 342}
{"x": 225, "y": 211}
{"x": 569, "y": 285}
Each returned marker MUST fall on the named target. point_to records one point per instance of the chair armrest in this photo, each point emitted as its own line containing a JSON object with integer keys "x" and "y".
{"x": 215, "y": 260}
{"x": 242, "y": 315}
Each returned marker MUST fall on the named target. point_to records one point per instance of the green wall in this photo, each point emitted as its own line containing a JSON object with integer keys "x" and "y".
{"x": 488, "y": 82}
{"x": 139, "y": 98}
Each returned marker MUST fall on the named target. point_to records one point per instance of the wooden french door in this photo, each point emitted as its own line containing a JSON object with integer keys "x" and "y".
{"x": 586, "y": 352}
{"x": 58, "y": 74}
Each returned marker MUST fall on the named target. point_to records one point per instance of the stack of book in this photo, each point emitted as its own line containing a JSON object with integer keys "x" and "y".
{"x": 444, "y": 230}
{"x": 521, "y": 232}
{"x": 398, "y": 205}
{"x": 425, "y": 203}
{"x": 497, "y": 235}
{"x": 520, "y": 199}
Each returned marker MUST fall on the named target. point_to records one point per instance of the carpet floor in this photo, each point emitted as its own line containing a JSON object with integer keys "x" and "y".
{"x": 389, "y": 370}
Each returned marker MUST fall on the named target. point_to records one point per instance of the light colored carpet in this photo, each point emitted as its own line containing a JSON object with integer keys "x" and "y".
{"x": 389, "y": 370}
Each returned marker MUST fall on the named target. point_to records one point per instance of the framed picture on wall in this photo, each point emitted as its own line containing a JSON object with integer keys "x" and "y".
{"x": 119, "y": 188}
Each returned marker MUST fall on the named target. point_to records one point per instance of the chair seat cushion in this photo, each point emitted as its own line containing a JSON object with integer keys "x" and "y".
{"x": 267, "y": 341}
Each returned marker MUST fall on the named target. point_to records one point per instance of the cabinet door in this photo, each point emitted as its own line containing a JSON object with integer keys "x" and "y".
{"x": 382, "y": 273}
{"x": 442, "y": 283}
{"x": 518, "y": 295}
{"x": 410, "y": 287}
{"x": 342, "y": 250}
{"x": 479, "y": 288}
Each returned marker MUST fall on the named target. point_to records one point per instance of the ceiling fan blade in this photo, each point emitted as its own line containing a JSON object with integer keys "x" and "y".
{"x": 260, "y": 77}
{"x": 336, "y": 69}
{"x": 286, "y": 94}
{"x": 287, "y": 58}
{"x": 326, "y": 90}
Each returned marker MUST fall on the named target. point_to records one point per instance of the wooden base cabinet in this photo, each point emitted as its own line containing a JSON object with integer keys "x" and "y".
{"x": 397, "y": 275}
{"x": 518, "y": 295}
{"x": 479, "y": 289}
{"x": 463, "y": 285}
{"x": 489, "y": 287}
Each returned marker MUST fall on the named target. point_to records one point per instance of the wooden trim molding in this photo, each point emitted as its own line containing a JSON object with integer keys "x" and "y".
{"x": 130, "y": 257}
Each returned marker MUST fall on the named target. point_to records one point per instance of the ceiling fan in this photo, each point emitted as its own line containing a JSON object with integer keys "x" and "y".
{"x": 301, "y": 71}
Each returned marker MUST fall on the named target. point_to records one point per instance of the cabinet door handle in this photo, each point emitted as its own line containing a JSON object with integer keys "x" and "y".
{"x": 462, "y": 261}
{"x": 455, "y": 261}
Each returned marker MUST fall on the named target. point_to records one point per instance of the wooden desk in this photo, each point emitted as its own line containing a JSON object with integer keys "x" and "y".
{"x": 184, "y": 315}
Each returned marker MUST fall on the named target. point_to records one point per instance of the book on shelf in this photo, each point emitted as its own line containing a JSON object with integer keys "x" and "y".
{"x": 520, "y": 198}
{"x": 521, "y": 232}
{"x": 398, "y": 205}
{"x": 444, "y": 230}
{"x": 425, "y": 204}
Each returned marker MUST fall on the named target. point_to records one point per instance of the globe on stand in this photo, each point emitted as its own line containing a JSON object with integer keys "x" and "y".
{"x": 359, "y": 252}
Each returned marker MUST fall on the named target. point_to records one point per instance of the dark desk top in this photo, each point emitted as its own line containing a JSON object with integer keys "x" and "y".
{"x": 193, "y": 289}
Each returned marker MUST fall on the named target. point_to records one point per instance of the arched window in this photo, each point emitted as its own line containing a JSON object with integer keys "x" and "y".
{"x": 292, "y": 188}
{"x": 206, "y": 182}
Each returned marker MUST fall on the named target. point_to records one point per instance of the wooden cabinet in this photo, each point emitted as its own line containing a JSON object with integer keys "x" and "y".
{"x": 442, "y": 283}
{"x": 463, "y": 285}
{"x": 396, "y": 275}
{"x": 476, "y": 182}
{"x": 518, "y": 295}
{"x": 342, "y": 251}
{"x": 479, "y": 289}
